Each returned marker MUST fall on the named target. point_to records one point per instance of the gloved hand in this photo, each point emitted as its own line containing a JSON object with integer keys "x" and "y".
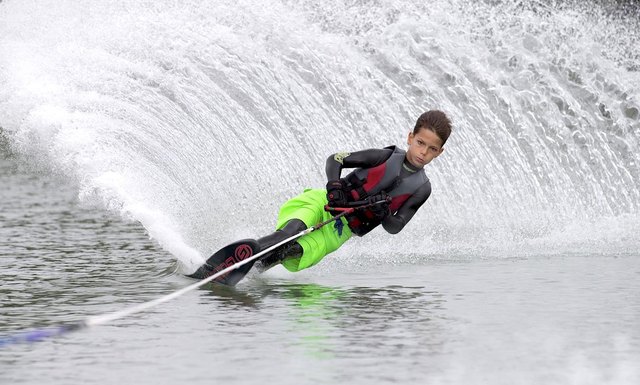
{"x": 380, "y": 206}
{"x": 336, "y": 196}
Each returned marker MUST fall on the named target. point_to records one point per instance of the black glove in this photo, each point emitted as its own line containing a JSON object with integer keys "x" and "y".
{"x": 336, "y": 196}
{"x": 380, "y": 206}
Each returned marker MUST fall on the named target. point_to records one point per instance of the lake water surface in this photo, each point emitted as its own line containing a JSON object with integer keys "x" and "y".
{"x": 561, "y": 319}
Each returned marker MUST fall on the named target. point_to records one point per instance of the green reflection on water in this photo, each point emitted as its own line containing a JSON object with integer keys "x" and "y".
{"x": 334, "y": 321}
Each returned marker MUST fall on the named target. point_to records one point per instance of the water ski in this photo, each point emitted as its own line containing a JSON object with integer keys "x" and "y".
{"x": 228, "y": 256}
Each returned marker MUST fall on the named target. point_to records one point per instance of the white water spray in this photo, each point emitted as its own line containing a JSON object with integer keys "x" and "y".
{"x": 200, "y": 119}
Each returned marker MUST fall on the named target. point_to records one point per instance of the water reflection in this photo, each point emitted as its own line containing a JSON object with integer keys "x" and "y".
{"x": 331, "y": 322}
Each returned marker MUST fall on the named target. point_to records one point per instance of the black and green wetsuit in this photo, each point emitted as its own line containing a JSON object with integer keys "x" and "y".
{"x": 376, "y": 171}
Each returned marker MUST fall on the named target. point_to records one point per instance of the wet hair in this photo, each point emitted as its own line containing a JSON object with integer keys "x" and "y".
{"x": 436, "y": 121}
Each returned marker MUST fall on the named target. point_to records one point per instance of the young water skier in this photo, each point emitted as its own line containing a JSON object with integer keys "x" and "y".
{"x": 390, "y": 182}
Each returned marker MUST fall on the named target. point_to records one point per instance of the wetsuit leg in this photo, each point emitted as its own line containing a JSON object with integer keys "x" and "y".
{"x": 292, "y": 249}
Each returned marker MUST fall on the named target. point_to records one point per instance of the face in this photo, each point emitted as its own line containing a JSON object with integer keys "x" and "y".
{"x": 423, "y": 147}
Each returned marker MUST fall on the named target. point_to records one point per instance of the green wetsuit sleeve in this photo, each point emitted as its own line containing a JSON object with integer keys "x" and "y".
{"x": 360, "y": 159}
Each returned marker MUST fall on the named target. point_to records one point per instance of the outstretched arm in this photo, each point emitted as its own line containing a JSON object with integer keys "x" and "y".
{"x": 394, "y": 223}
{"x": 360, "y": 159}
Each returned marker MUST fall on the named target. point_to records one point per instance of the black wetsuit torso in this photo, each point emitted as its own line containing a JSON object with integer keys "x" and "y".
{"x": 361, "y": 160}
{"x": 368, "y": 159}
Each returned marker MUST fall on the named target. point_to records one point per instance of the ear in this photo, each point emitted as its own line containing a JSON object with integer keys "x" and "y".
{"x": 409, "y": 138}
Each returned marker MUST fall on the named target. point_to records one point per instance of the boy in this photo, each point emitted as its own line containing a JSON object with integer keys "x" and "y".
{"x": 390, "y": 181}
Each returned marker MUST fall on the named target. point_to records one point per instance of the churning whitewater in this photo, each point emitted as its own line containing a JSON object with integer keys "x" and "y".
{"x": 199, "y": 119}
